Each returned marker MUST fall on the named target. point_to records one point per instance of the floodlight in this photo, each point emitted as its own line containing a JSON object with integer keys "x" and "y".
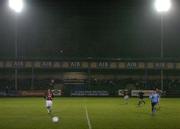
{"x": 162, "y": 5}
{"x": 16, "y": 5}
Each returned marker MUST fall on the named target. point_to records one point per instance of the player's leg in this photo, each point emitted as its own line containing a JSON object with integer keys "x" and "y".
{"x": 139, "y": 102}
{"x": 143, "y": 101}
{"x": 153, "y": 108}
{"x": 49, "y": 105}
{"x": 126, "y": 99}
{"x": 158, "y": 106}
{"x": 48, "y": 109}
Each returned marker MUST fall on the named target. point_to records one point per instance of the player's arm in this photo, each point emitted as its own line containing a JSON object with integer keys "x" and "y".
{"x": 158, "y": 97}
{"x": 150, "y": 97}
{"x": 52, "y": 94}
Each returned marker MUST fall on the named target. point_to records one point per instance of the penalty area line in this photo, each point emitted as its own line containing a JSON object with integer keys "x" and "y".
{"x": 87, "y": 118}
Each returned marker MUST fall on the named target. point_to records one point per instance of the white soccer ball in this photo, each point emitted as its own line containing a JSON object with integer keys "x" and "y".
{"x": 55, "y": 119}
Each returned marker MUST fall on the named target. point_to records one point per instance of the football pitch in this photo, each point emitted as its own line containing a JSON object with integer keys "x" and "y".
{"x": 88, "y": 113}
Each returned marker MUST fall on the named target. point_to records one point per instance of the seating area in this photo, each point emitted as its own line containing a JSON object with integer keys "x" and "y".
{"x": 96, "y": 80}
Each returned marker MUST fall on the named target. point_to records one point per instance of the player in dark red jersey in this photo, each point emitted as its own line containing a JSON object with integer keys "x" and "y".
{"x": 49, "y": 96}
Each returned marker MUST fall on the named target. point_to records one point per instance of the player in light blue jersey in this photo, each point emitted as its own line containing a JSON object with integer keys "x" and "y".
{"x": 154, "y": 97}
{"x": 158, "y": 104}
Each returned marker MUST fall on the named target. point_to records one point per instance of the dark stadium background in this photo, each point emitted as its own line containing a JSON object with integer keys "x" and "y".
{"x": 91, "y": 54}
{"x": 102, "y": 45}
{"x": 87, "y": 28}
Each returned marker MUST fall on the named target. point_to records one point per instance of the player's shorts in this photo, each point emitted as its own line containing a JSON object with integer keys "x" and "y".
{"x": 153, "y": 103}
{"x": 48, "y": 103}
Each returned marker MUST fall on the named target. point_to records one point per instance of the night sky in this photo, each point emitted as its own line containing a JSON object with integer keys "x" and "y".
{"x": 87, "y": 28}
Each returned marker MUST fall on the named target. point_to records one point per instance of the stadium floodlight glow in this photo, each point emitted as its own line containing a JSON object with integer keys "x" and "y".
{"x": 16, "y": 5}
{"x": 162, "y": 5}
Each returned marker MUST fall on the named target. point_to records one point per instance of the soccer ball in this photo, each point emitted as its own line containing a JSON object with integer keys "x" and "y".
{"x": 55, "y": 119}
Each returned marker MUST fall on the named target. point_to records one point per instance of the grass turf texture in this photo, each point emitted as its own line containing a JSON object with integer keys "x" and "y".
{"x": 104, "y": 113}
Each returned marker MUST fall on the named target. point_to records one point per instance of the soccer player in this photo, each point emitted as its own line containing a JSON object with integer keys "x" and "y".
{"x": 154, "y": 97}
{"x": 158, "y": 92}
{"x": 126, "y": 96}
{"x": 49, "y": 96}
{"x": 141, "y": 98}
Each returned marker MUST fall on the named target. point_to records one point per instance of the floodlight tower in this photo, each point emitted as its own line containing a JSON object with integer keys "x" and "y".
{"x": 17, "y": 7}
{"x": 162, "y": 7}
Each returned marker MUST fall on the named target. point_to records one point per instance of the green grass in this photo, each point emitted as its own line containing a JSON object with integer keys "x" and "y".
{"x": 104, "y": 113}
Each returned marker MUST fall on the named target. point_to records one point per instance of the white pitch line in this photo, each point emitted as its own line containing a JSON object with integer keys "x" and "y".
{"x": 87, "y": 118}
